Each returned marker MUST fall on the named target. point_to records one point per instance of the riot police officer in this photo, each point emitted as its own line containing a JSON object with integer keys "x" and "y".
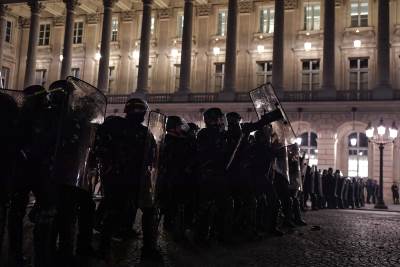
{"x": 9, "y": 146}
{"x": 39, "y": 122}
{"x": 176, "y": 183}
{"x": 126, "y": 165}
{"x": 214, "y": 197}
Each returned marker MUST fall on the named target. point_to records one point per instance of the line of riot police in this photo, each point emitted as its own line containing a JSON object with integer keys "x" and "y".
{"x": 227, "y": 180}
{"x": 328, "y": 189}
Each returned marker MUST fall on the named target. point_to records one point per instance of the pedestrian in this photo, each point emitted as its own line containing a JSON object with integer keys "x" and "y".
{"x": 395, "y": 193}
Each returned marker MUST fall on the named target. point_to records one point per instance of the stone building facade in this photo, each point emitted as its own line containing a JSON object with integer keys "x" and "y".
{"x": 337, "y": 67}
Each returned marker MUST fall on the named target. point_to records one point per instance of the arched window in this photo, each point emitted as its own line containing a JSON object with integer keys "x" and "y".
{"x": 309, "y": 146}
{"x": 358, "y": 155}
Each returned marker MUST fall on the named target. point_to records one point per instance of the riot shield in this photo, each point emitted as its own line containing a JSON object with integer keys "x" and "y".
{"x": 294, "y": 167}
{"x": 79, "y": 118}
{"x": 265, "y": 100}
{"x": 154, "y": 143}
{"x": 16, "y": 95}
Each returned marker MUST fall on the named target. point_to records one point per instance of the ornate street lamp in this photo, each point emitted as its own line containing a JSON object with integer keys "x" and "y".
{"x": 381, "y": 139}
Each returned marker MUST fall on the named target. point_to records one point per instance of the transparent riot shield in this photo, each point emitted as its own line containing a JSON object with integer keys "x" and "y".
{"x": 154, "y": 143}
{"x": 78, "y": 122}
{"x": 265, "y": 100}
{"x": 295, "y": 168}
{"x": 16, "y": 95}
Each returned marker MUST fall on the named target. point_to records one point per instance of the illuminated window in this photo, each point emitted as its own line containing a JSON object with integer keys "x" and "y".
{"x": 76, "y": 72}
{"x": 111, "y": 78}
{"x": 219, "y": 76}
{"x": 152, "y": 24}
{"x": 177, "y": 76}
{"x": 312, "y": 17}
{"x": 309, "y": 146}
{"x": 358, "y": 155}
{"x": 44, "y": 34}
{"x": 222, "y": 22}
{"x": 9, "y": 29}
{"x": 267, "y": 20}
{"x": 179, "y": 29}
{"x": 4, "y": 77}
{"x": 359, "y": 13}
{"x": 78, "y": 33}
{"x": 310, "y": 75}
{"x": 41, "y": 77}
{"x": 114, "y": 32}
{"x": 264, "y": 72}
{"x": 358, "y": 79}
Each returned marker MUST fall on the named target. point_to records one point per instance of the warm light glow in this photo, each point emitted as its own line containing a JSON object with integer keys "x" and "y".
{"x": 298, "y": 141}
{"x": 97, "y": 56}
{"x": 174, "y": 52}
{"x": 316, "y": 150}
{"x": 357, "y": 31}
{"x": 393, "y": 131}
{"x": 381, "y": 130}
{"x": 61, "y": 57}
{"x": 135, "y": 54}
{"x": 216, "y": 50}
{"x": 370, "y": 131}
{"x": 260, "y": 48}
{"x": 353, "y": 141}
{"x": 307, "y": 33}
{"x": 357, "y": 43}
{"x": 307, "y": 46}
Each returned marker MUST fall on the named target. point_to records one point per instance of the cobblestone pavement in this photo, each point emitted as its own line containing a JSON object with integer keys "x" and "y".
{"x": 345, "y": 238}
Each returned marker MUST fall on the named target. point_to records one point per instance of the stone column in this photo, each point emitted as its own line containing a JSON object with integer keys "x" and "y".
{"x": 68, "y": 36}
{"x": 102, "y": 81}
{"x": 143, "y": 71}
{"x": 186, "y": 54}
{"x": 383, "y": 61}
{"x": 2, "y": 32}
{"x": 229, "y": 88}
{"x": 328, "y": 74}
{"x": 277, "y": 55}
{"x": 33, "y": 43}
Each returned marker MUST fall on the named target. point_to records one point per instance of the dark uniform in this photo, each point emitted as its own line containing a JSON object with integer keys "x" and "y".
{"x": 121, "y": 149}
{"x": 39, "y": 122}
{"x": 176, "y": 183}
{"x": 214, "y": 196}
{"x": 9, "y": 146}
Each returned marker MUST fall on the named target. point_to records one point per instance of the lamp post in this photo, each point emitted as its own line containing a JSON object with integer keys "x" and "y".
{"x": 381, "y": 139}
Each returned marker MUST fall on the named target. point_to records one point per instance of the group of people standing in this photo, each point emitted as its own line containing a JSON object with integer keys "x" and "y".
{"x": 226, "y": 182}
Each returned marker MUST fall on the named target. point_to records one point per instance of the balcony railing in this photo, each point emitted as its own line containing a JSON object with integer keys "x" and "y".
{"x": 288, "y": 96}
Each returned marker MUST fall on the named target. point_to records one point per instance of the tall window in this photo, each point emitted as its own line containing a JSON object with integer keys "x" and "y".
{"x": 310, "y": 75}
{"x": 179, "y": 26}
{"x": 78, "y": 32}
{"x": 264, "y": 72}
{"x": 41, "y": 77}
{"x": 309, "y": 146}
{"x": 152, "y": 25}
{"x": 358, "y": 155}
{"x": 219, "y": 76}
{"x": 267, "y": 20}
{"x": 44, "y": 34}
{"x": 222, "y": 21}
{"x": 359, "y": 13}
{"x": 9, "y": 28}
{"x": 177, "y": 76}
{"x": 111, "y": 78}
{"x": 76, "y": 72}
{"x": 358, "y": 74}
{"x": 4, "y": 77}
{"x": 312, "y": 17}
{"x": 114, "y": 31}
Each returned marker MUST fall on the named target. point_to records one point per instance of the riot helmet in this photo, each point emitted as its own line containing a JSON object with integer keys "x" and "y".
{"x": 215, "y": 118}
{"x": 135, "y": 109}
{"x": 35, "y": 97}
{"x": 59, "y": 92}
{"x": 177, "y": 126}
